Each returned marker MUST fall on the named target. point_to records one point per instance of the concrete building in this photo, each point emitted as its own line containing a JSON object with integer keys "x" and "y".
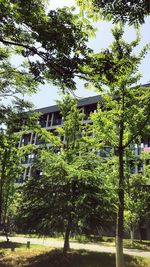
{"x": 51, "y": 118}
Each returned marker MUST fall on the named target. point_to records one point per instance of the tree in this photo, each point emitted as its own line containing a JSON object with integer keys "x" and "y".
{"x": 9, "y": 168}
{"x": 32, "y": 32}
{"x": 136, "y": 193}
{"x": 34, "y": 37}
{"x": 61, "y": 199}
{"x": 14, "y": 83}
{"x": 123, "y": 112}
{"x": 129, "y": 11}
{"x": 136, "y": 202}
{"x": 15, "y": 123}
{"x": 14, "y": 80}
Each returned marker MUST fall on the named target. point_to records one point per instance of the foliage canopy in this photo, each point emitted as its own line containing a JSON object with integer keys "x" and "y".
{"x": 130, "y": 11}
{"x": 53, "y": 43}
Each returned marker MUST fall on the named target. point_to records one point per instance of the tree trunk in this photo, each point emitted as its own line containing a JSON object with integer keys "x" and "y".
{"x": 132, "y": 235}
{"x": 66, "y": 239}
{"x": 2, "y": 184}
{"x": 1, "y": 200}
{"x": 119, "y": 252}
{"x": 119, "y": 225}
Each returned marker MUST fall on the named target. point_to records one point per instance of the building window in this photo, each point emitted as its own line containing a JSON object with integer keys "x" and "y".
{"x": 24, "y": 159}
{"x": 49, "y": 122}
{"x": 33, "y": 138}
{"x": 43, "y": 120}
{"x": 30, "y": 158}
{"x": 28, "y": 172}
{"x": 88, "y": 110}
{"x": 39, "y": 140}
{"x": 140, "y": 168}
{"x": 20, "y": 179}
{"x": 57, "y": 118}
{"x": 132, "y": 167}
{"x": 26, "y": 139}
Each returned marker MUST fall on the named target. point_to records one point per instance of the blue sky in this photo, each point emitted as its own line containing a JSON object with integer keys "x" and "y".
{"x": 48, "y": 94}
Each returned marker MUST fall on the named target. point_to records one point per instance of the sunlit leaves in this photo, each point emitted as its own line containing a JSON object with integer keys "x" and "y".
{"x": 133, "y": 12}
{"x": 54, "y": 43}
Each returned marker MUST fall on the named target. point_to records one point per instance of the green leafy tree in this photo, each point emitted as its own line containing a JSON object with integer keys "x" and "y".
{"x": 131, "y": 11}
{"x": 53, "y": 43}
{"x": 123, "y": 112}
{"x": 70, "y": 193}
{"x": 136, "y": 202}
{"x": 14, "y": 83}
{"x": 10, "y": 154}
{"x": 9, "y": 168}
{"x": 14, "y": 80}
{"x": 136, "y": 197}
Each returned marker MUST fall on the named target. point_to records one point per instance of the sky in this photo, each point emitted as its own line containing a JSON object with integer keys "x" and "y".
{"x": 48, "y": 94}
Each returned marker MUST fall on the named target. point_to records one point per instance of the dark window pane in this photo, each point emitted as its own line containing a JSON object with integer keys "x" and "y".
{"x": 57, "y": 118}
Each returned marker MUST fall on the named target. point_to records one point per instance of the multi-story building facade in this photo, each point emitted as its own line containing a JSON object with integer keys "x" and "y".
{"x": 51, "y": 118}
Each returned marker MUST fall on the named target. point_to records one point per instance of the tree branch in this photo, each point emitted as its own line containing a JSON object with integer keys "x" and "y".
{"x": 15, "y": 71}
{"x": 143, "y": 124}
{"x": 33, "y": 49}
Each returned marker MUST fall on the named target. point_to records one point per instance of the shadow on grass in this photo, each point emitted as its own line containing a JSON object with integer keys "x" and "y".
{"x": 73, "y": 259}
{"x": 5, "y": 245}
{"x": 80, "y": 258}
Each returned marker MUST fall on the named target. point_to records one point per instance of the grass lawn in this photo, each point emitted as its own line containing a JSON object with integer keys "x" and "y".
{"x": 104, "y": 241}
{"x": 40, "y": 256}
{"x": 110, "y": 241}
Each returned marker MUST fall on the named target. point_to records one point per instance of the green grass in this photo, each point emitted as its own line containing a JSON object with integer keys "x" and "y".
{"x": 104, "y": 241}
{"x": 34, "y": 235}
{"x": 110, "y": 241}
{"x": 142, "y": 245}
{"x": 40, "y": 256}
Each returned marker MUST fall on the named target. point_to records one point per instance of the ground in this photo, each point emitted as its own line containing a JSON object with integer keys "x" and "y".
{"x": 82, "y": 255}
